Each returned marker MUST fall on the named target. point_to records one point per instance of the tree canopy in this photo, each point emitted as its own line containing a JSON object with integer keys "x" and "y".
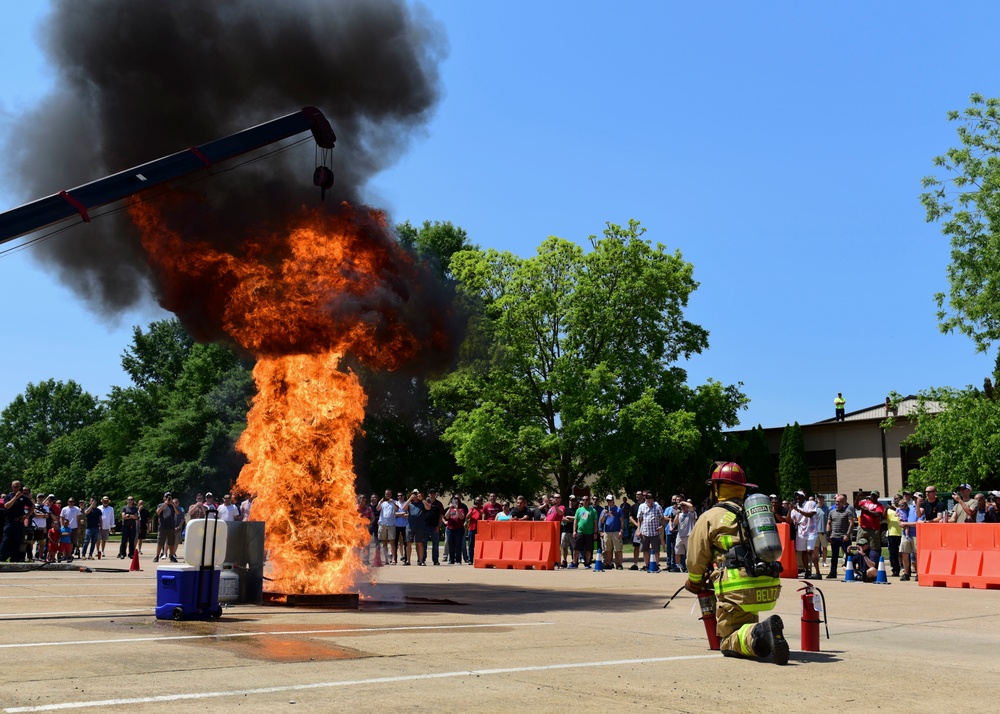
{"x": 963, "y": 441}
{"x": 173, "y": 428}
{"x": 793, "y": 469}
{"x": 43, "y": 414}
{"x": 961, "y": 438}
{"x": 570, "y": 369}
{"x": 966, "y": 200}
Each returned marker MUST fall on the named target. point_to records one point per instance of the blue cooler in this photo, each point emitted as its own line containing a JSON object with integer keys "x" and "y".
{"x": 190, "y": 591}
{"x": 186, "y": 592}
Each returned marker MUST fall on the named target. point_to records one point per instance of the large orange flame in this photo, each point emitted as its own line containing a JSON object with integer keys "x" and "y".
{"x": 299, "y": 300}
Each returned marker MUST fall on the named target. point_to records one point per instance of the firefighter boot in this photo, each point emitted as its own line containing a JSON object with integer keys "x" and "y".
{"x": 769, "y": 639}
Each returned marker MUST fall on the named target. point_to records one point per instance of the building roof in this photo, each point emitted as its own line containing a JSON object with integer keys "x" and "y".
{"x": 907, "y": 406}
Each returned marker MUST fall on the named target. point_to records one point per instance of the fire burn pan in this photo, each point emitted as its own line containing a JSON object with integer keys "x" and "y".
{"x": 336, "y": 601}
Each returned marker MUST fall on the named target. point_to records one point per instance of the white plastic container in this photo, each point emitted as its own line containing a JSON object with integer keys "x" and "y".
{"x": 216, "y": 541}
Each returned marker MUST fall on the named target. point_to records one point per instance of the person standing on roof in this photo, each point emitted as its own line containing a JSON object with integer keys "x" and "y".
{"x": 838, "y": 407}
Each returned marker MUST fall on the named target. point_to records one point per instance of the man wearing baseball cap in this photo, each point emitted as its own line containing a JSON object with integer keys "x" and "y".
{"x": 611, "y": 524}
{"x": 965, "y": 507}
{"x": 871, "y": 513}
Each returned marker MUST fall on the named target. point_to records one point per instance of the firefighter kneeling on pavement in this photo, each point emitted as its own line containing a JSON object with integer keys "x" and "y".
{"x": 746, "y": 568}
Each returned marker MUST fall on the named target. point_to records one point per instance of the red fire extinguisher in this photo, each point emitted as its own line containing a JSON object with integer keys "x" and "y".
{"x": 810, "y": 618}
{"x": 706, "y": 600}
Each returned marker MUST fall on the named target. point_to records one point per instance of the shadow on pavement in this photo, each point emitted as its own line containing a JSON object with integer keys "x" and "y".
{"x": 484, "y": 599}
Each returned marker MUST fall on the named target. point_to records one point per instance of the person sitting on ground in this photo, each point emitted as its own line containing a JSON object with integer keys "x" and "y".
{"x": 865, "y": 560}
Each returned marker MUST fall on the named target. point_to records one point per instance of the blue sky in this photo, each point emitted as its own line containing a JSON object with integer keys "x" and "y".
{"x": 779, "y": 146}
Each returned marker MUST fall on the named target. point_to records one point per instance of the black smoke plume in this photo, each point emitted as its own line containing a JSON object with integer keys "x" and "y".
{"x": 141, "y": 79}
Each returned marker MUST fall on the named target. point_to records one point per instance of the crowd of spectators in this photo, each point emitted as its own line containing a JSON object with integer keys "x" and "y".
{"x": 48, "y": 529}
{"x": 405, "y": 529}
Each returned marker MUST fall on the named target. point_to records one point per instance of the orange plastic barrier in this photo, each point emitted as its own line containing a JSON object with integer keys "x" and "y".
{"x": 789, "y": 566}
{"x": 517, "y": 544}
{"x": 959, "y": 555}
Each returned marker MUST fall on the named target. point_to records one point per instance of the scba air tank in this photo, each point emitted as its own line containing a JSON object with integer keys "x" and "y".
{"x": 763, "y": 529}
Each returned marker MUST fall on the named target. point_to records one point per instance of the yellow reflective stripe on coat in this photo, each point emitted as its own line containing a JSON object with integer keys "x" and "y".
{"x": 725, "y": 542}
{"x": 743, "y": 635}
{"x": 694, "y": 577}
{"x": 731, "y": 583}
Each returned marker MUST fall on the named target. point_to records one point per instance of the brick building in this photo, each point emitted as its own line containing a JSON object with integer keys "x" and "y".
{"x": 857, "y": 454}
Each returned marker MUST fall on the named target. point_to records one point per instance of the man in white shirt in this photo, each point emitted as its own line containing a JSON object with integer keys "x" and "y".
{"x": 803, "y": 515}
{"x": 387, "y": 509}
{"x": 107, "y": 525}
{"x": 228, "y": 510}
{"x": 72, "y": 514}
{"x": 245, "y": 508}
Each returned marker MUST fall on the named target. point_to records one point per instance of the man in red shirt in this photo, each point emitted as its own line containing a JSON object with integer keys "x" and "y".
{"x": 871, "y": 513}
{"x": 492, "y": 508}
{"x": 472, "y": 527}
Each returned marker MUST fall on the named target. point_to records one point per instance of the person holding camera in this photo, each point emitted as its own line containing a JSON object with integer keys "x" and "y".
{"x": 992, "y": 514}
{"x": 871, "y": 514}
{"x": 965, "y": 507}
{"x": 839, "y": 523}
{"x": 16, "y": 504}
{"x": 130, "y": 529}
{"x": 166, "y": 535}
{"x": 416, "y": 509}
{"x": 865, "y": 560}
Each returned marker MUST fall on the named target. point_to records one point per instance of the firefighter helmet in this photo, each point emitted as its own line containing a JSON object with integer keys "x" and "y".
{"x": 730, "y": 472}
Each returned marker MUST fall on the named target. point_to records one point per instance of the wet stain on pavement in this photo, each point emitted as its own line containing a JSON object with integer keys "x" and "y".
{"x": 283, "y": 649}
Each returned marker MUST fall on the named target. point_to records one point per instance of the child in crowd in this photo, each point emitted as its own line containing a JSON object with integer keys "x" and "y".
{"x": 53, "y": 551}
{"x": 66, "y": 541}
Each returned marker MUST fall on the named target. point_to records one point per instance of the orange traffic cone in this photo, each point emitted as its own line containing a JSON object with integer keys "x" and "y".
{"x": 135, "y": 562}
{"x": 377, "y": 563}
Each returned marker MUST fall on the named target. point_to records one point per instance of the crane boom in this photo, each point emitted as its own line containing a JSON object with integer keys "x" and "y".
{"x": 80, "y": 200}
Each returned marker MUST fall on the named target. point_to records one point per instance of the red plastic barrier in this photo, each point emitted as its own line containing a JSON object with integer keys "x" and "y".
{"x": 517, "y": 544}
{"x": 789, "y": 566}
{"x": 959, "y": 555}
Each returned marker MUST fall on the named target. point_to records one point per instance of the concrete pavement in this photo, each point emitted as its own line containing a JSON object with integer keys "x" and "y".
{"x": 456, "y": 638}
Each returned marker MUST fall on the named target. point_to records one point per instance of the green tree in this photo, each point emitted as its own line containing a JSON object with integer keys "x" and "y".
{"x": 963, "y": 440}
{"x": 68, "y": 466}
{"x": 33, "y": 420}
{"x": 191, "y": 447}
{"x": 967, "y": 202}
{"x": 757, "y": 461}
{"x": 435, "y": 242}
{"x": 570, "y": 369}
{"x": 792, "y": 467}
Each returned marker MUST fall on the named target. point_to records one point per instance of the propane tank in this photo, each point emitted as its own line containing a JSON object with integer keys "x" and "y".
{"x": 810, "y": 620}
{"x": 229, "y": 586}
{"x": 707, "y": 602}
{"x": 763, "y": 529}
